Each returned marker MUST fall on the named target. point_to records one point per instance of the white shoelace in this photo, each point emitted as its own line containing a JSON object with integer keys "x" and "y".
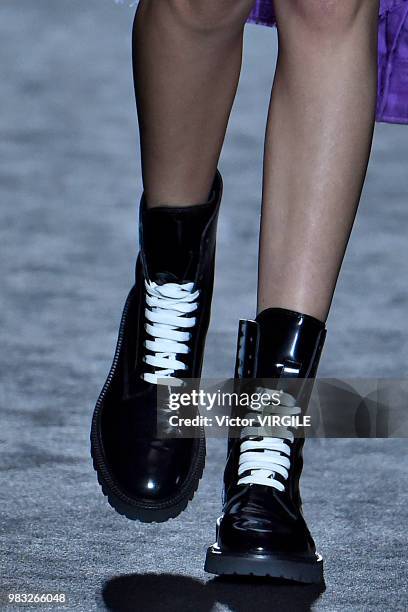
{"x": 166, "y": 308}
{"x": 262, "y": 458}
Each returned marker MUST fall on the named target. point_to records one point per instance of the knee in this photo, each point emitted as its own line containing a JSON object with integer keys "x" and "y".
{"x": 210, "y": 15}
{"x": 329, "y": 16}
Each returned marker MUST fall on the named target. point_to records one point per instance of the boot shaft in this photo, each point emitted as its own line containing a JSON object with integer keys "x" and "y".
{"x": 180, "y": 241}
{"x": 279, "y": 350}
{"x": 177, "y": 245}
{"x": 279, "y": 344}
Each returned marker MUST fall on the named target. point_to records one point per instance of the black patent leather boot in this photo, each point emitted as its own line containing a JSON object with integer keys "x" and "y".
{"x": 161, "y": 339}
{"x": 262, "y": 530}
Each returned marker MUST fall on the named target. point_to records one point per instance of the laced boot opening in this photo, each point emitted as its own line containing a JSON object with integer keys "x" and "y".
{"x": 169, "y": 321}
{"x": 267, "y": 460}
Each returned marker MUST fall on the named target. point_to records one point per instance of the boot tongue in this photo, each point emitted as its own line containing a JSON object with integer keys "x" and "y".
{"x": 172, "y": 240}
{"x": 162, "y": 278}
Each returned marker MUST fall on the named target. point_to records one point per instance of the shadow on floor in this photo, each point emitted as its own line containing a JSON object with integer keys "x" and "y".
{"x": 172, "y": 593}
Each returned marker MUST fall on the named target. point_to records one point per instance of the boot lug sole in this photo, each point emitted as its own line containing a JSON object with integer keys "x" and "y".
{"x": 268, "y": 566}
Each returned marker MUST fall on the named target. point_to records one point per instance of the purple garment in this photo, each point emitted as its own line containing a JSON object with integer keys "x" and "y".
{"x": 392, "y": 103}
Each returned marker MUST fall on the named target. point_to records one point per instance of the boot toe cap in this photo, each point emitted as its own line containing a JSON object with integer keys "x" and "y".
{"x": 257, "y": 534}
{"x": 156, "y": 472}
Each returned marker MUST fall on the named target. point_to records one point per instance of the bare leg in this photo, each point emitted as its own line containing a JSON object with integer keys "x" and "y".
{"x": 187, "y": 60}
{"x": 318, "y": 143}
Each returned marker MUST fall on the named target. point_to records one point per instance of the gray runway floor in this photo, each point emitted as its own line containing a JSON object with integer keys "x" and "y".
{"x": 69, "y": 179}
